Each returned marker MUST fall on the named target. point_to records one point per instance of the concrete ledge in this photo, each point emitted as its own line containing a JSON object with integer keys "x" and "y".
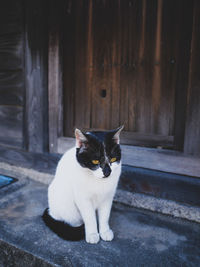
{"x": 10, "y": 255}
{"x": 167, "y": 207}
{"x": 169, "y": 186}
{"x": 126, "y": 196}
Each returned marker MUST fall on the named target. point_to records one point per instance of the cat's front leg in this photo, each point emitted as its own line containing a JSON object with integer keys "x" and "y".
{"x": 104, "y": 213}
{"x": 89, "y": 217}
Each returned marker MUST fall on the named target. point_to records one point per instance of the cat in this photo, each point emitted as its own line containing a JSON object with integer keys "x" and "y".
{"x": 85, "y": 183}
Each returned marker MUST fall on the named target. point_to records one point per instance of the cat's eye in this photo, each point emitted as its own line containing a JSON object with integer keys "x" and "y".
{"x": 113, "y": 160}
{"x": 95, "y": 161}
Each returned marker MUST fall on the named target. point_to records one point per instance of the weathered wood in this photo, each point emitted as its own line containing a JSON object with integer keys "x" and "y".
{"x": 69, "y": 67}
{"x": 184, "y": 35}
{"x": 11, "y": 88}
{"x": 136, "y": 58}
{"x": 11, "y": 73}
{"x": 139, "y": 139}
{"x": 55, "y": 95}
{"x": 11, "y": 17}
{"x": 11, "y": 50}
{"x": 130, "y": 55}
{"x": 36, "y": 58}
{"x": 82, "y": 114}
{"x": 11, "y": 119}
{"x": 192, "y": 132}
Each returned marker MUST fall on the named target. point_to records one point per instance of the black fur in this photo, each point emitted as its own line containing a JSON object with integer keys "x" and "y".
{"x": 62, "y": 229}
{"x": 93, "y": 149}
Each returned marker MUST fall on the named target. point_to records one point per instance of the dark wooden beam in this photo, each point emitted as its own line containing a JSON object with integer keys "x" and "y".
{"x": 36, "y": 81}
{"x": 183, "y": 55}
{"x": 192, "y": 132}
{"x": 55, "y": 74}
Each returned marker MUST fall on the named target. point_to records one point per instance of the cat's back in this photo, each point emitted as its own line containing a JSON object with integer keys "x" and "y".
{"x": 68, "y": 159}
{"x": 67, "y": 165}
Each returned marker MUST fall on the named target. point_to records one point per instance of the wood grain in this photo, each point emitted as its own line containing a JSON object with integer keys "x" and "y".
{"x": 11, "y": 49}
{"x": 11, "y": 119}
{"x": 36, "y": 77}
{"x": 11, "y": 88}
{"x": 136, "y": 53}
{"x": 192, "y": 133}
{"x": 11, "y": 73}
{"x": 12, "y": 15}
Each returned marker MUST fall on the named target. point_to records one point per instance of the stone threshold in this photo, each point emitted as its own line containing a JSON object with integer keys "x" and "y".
{"x": 137, "y": 200}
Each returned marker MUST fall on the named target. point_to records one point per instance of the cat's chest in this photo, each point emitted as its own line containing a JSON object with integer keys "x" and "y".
{"x": 97, "y": 190}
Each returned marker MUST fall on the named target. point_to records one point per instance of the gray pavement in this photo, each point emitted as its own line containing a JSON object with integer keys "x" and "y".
{"x": 142, "y": 238}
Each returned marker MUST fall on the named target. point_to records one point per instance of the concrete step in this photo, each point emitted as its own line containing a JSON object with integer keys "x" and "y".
{"x": 142, "y": 238}
{"x": 167, "y": 193}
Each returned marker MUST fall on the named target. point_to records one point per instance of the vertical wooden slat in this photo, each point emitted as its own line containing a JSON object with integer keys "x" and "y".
{"x": 55, "y": 92}
{"x": 182, "y": 72}
{"x": 114, "y": 64}
{"x": 101, "y": 59}
{"x": 156, "y": 82}
{"x": 192, "y": 133}
{"x": 36, "y": 54}
{"x": 169, "y": 64}
{"x": 137, "y": 97}
{"x": 124, "y": 87}
{"x": 90, "y": 58}
{"x": 82, "y": 92}
{"x": 144, "y": 123}
{"x": 69, "y": 67}
{"x": 134, "y": 30}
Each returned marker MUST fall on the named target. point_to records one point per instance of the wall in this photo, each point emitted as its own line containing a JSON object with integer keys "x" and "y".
{"x": 11, "y": 73}
{"x": 24, "y": 117}
{"x": 23, "y": 74}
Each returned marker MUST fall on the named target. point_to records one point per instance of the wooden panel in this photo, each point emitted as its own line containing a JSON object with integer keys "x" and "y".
{"x": 11, "y": 88}
{"x": 36, "y": 58}
{"x": 11, "y": 49}
{"x": 55, "y": 95}
{"x": 11, "y": 17}
{"x": 102, "y": 58}
{"x": 11, "y": 73}
{"x": 184, "y": 35}
{"x": 11, "y": 125}
{"x": 192, "y": 134}
{"x": 69, "y": 68}
{"x": 126, "y": 68}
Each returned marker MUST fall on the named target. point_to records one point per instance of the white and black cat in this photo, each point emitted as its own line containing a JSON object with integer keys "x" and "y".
{"x": 85, "y": 183}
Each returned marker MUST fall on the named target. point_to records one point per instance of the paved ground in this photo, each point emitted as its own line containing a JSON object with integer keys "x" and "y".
{"x": 141, "y": 238}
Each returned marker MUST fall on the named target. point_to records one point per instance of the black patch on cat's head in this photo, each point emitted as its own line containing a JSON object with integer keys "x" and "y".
{"x": 98, "y": 145}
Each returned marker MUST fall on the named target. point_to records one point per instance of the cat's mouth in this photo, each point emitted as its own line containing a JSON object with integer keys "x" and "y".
{"x": 105, "y": 177}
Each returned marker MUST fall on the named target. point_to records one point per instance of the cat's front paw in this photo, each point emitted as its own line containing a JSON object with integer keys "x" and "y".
{"x": 92, "y": 238}
{"x": 107, "y": 235}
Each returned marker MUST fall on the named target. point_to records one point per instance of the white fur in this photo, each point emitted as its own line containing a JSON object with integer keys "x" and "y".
{"x": 76, "y": 193}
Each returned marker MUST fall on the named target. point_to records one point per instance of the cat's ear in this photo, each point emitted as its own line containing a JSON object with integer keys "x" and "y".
{"x": 80, "y": 138}
{"x": 117, "y": 134}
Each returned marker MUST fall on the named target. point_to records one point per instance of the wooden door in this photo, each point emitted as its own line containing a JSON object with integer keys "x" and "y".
{"x": 126, "y": 62}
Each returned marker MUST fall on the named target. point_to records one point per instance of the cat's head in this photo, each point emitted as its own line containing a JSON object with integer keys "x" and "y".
{"x": 99, "y": 151}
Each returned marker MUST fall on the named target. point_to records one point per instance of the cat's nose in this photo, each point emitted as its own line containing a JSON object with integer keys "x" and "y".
{"x": 106, "y": 170}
